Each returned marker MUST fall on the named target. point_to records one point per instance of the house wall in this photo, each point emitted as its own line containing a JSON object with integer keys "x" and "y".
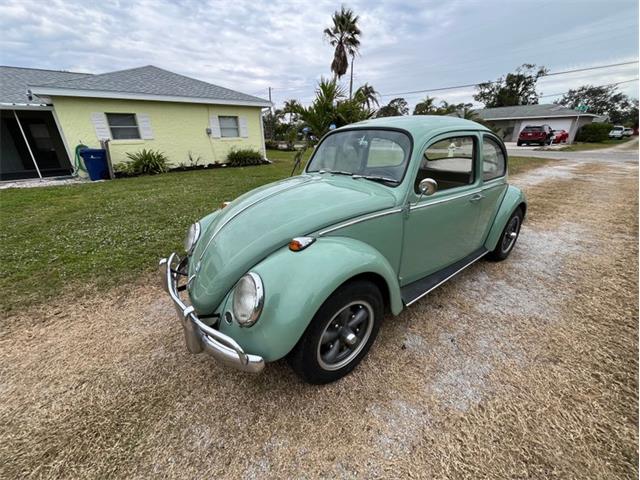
{"x": 177, "y": 128}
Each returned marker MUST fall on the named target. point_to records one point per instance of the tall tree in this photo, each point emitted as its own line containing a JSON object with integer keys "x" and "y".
{"x": 396, "y": 107}
{"x": 516, "y": 88}
{"x": 290, "y": 107}
{"x": 367, "y": 96}
{"x": 425, "y": 107}
{"x": 601, "y": 100}
{"x": 344, "y": 36}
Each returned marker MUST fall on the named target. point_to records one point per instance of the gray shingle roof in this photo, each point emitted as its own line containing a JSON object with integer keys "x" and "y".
{"x": 14, "y": 81}
{"x": 529, "y": 111}
{"x": 148, "y": 81}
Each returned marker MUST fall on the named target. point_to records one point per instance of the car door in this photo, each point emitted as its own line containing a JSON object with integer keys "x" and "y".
{"x": 494, "y": 183}
{"x": 442, "y": 228}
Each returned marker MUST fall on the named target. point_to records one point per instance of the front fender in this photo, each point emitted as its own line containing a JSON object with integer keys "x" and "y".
{"x": 296, "y": 284}
{"x": 513, "y": 198}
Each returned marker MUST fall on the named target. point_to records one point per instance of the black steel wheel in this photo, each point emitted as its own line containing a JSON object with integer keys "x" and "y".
{"x": 509, "y": 236}
{"x": 340, "y": 334}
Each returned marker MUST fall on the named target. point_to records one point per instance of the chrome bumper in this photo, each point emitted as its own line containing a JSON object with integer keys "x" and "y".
{"x": 200, "y": 337}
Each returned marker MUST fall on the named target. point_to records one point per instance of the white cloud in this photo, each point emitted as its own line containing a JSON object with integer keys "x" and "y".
{"x": 249, "y": 45}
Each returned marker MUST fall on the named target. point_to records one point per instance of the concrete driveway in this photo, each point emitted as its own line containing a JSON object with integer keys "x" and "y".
{"x": 520, "y": 369}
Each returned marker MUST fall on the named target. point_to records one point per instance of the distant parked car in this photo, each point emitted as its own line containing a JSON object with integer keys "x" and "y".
{"x": 560, "y": 136}
{"x": 540, "y": 134}
{"x": 617, "y": 132}
{"x": 627, "y": 132}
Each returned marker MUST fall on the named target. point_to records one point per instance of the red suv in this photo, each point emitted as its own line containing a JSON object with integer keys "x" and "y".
{"x": 540, "y": 134}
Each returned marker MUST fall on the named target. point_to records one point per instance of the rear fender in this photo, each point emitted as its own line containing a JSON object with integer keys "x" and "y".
{"x": 296, "y": 284}
{"x": 513, "y": 198}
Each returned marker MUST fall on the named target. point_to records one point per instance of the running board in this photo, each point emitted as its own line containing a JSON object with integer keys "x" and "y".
{"x": 413, "y": 292}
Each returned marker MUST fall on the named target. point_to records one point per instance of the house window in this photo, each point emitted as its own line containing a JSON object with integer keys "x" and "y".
{"x": 229, "y": 127}
{"x": 123, "y": 126}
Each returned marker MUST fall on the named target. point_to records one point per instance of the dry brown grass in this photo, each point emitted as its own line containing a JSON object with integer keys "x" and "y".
{"x": 520, "y": 369}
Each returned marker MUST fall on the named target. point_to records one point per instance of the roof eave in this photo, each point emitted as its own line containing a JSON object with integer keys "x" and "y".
{"x": 577, "y": 114}
{"x": 67, "y": 92}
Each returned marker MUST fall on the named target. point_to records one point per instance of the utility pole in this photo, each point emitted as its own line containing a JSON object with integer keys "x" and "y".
{"x": 272, "y": 127}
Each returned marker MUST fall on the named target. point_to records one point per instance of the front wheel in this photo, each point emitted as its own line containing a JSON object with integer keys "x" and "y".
{"x": 340, "y": 334}
{"x": 508, "y": 238}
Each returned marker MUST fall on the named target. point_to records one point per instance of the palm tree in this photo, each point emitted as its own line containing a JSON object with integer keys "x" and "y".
{"x": 290, "y": 107}
{"x": 344, "y": 36}
{"x": 367, "y": 95}
{"x": 425, "y": 107}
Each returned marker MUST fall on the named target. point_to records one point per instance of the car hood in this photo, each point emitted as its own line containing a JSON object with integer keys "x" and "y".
{"x": 264, "y": 220}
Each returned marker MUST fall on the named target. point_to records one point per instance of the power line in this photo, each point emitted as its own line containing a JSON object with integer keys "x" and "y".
{"x": 597, "y": 86}
{"x": 476, "y": 84}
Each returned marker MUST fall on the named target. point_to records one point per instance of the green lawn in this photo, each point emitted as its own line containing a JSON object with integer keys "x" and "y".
{"x": 101, "y": 234}
{"x": 580, "y": 146}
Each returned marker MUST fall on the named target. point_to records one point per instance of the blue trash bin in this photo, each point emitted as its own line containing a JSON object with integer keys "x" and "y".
{"x": 95, "y": 159}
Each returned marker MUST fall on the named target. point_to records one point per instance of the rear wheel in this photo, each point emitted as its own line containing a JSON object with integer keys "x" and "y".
{"x": 509, "y": 236}
{"x": 340, "y": 334}
{"x": 519, "y": 143}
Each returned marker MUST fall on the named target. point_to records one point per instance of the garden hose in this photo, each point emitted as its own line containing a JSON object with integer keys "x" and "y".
{"x": 78, "y": 163}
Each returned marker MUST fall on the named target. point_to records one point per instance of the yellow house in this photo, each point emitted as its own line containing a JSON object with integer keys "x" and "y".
{"x": 46, "y": 114}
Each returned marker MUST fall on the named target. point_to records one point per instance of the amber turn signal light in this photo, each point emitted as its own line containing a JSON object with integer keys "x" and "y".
{"x": 300, "y": 243}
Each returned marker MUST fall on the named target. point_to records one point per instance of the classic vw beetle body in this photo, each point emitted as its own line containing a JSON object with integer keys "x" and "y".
{"x": 385, "y": 211}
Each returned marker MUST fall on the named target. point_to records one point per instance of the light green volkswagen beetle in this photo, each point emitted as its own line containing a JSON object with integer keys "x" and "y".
{"x": 305, "y": 268}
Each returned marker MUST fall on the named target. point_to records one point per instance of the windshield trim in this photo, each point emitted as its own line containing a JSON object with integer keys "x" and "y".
{"x": 349, "y": 129}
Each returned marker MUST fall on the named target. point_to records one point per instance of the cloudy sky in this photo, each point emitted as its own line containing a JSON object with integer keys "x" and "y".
{"x": 406, "y": 45}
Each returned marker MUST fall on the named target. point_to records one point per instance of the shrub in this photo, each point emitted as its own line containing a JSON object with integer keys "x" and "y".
{"x": 244, "y": 157}
{"x": 594, "y": 132}
{"x": 148, "y": 162}
{"x": 123, "y": 169}
{"x": 271, "y": 144}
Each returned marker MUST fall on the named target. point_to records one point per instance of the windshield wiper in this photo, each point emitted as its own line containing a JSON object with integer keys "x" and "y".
{"x": 377, "y": 178}
{"x": 336, "y": 172}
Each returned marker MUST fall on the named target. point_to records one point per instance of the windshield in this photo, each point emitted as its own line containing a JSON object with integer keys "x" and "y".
{"x": 618, "y": 128}
{"x": 533, "y": 129}
{"x": 368, "y": 153}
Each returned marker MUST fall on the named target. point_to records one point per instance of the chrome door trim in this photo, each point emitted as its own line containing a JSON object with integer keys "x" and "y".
{"x": 450, "y": 276}
{"x": 231, "y": 217}
{"x": 348, "y": 223}
{"x": 417, "y": 206}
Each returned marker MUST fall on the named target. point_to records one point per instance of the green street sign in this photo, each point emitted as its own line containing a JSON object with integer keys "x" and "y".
{"x": 582, "y": 108}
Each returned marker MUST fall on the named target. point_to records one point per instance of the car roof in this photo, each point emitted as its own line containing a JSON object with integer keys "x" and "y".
{"x": 420, "y": 126}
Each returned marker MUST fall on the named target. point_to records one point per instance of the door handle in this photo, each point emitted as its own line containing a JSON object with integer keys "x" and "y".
{"x": 476, "y": 198}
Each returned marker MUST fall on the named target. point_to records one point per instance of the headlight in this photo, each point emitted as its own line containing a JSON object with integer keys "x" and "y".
{"x": 192, "y": 238}
{"x": 248, "y": 298}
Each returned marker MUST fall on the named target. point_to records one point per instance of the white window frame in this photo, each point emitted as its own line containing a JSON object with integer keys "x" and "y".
{"x": 222, "y": 128}
{"x": 112, "y": 127}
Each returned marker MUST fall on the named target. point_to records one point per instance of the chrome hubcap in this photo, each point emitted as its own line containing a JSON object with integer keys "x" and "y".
{"x": 510, "y": 235}
{"x": 345, "y": 335}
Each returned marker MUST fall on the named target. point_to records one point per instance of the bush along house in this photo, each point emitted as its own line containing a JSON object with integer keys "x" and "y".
{"x": 45, "y": 114}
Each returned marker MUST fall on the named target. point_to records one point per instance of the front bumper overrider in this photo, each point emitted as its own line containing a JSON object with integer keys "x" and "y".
{"x": 198, "y": 336}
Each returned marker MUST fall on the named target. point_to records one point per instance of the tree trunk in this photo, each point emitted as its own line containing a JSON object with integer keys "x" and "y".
{"x": 351, "y": 79}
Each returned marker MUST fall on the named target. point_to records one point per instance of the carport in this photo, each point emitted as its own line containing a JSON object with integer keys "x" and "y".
{"x": 509, "y": 121}
{"x": 31, "y": 145}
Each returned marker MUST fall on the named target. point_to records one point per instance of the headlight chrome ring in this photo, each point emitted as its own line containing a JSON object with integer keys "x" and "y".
{"x": 248, "y": 299}
{"x": 193, "y": 234}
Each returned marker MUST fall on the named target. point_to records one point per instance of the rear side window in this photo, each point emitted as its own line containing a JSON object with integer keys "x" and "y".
{"x": 493, "y": 160}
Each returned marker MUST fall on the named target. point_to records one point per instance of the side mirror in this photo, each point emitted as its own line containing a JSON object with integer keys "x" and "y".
{"x": 427, "y": 186}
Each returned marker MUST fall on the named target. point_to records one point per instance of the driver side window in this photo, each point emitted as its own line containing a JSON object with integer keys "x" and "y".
{"x": 449, "y": 162}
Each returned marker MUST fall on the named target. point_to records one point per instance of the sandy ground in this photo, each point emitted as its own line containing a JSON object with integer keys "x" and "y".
{"x": 520, "y": 369}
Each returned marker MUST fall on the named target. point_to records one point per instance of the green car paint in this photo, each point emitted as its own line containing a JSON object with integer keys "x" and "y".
{"x": 392, "y": 234}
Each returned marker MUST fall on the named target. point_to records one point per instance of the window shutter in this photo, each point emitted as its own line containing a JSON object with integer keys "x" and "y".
{"x": 242, "y": 125}
{"x": 100, "y": 125}
{"x": 144, "y": 124}
{"x": 214, "y": 123}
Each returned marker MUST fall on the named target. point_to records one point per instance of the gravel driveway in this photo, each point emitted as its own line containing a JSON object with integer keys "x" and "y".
{"x": 520, "y": 369}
